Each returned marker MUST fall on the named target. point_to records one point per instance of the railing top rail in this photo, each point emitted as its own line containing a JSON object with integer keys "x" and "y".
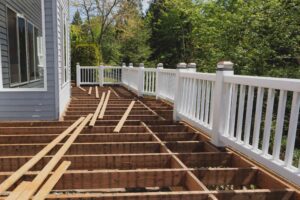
{"x": 197, "y": 75}
{"x": 150, "y": 69}
{"x": 265, "y": 82}
{"x": 167, "y": 70}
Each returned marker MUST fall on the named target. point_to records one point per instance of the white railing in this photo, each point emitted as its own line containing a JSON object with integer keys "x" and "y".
{"x": 111, "y": 75}
{"x": 130, "y": 78}
{"x": 262, "y": 121}
{"x": 88, "y": 75}
{"x": 195, "y": 94}
{"x": 149, "y": 81}
{"x": 257, "y": 116}
{"x": 166, "y": 82}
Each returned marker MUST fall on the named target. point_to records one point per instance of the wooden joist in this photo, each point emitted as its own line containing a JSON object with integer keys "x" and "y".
{"x": 96, "y": 114}
{"x": 52, "y": 181}
{"x": 97, "y": 92}
{"x": 90, "y": 91}
{"x": 28, "y": 165}
{"x": 40, "y": 178}
{"x": 124, "y": 118}
{"x": 101, "y": 116}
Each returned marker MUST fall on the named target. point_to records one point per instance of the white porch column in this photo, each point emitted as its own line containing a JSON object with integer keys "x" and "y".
{"x": 141, "y": 79}
{"x": 181, "y": 67}
{"x": 220, "y": 102}
{"x": 78, "y": 75}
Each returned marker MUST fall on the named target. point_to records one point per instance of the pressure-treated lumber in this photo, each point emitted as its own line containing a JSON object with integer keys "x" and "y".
{"x": 123, "y": 119}
{"x": 97, "y": 92}
{"x": 117, "y": 95}
{"x": 22, "y": 170}
{"x": 104, "y": 105}
{"x": 96, "y": 114}
{"x": 19, "y": 190}
{"x": 82, "y": 89}
{"x": 90, "y": 91}
{"x": 40, "y": 178}
{"x": 49, "y": 185}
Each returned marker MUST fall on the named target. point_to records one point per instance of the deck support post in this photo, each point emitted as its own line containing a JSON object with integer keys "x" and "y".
{"x": 181, "y": 67}
{"x": 159, "y": 67}
{"x": 220, "y": 102}
{"x": 78, "y": 75}
{"x": 101, "y": 76}
{"x": 141, "y": 80}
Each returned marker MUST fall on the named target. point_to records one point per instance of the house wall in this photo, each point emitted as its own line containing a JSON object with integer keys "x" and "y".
{"x": 34, "y": 105}
{"x": 63, "y": 87}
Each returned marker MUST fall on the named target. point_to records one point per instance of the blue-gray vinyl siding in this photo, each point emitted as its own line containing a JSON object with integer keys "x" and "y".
{"x": 32, "y": 105}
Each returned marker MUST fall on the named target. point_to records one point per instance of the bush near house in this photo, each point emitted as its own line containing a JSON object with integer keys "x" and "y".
{"x": 86, "y": 55}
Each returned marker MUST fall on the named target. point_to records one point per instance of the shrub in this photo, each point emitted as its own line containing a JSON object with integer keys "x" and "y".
{"x": 86, "y": 55}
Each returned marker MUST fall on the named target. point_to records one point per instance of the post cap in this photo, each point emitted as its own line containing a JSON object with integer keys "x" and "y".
{"x": 78, "y": 63}
{"x": 192, "y": 65}
{"x": 142, "y": 65}
{"x": 130, "y": 65}
{"x": 181, "y": 65}
{"x": 123, "y": 64}
{"x": 160, "y": 65}
{"x": 225, "y": 65}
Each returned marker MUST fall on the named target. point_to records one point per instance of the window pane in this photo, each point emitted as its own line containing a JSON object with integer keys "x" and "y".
{"x": 36, "y": 48}
{"x": 31, "y": 47}
{"x": 22, "y": 48}
{"x": 13, "y": 46}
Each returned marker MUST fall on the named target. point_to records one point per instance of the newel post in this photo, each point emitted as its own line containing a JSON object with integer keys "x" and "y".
{"x": 219, "y": 102}
{"x": 181, "y": 67}
{"x": 123, "y": 74}
{"x": 141, "y": 79}
{"x": 157, "y": 82}
{"x": 101, "y": 75}
{"x": 78, "y": 75}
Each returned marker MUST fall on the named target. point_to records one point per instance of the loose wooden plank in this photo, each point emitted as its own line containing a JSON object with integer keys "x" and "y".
{"x": 90, "y": 91}
{"x": 96, "y": 114}
{"x": 40, "y": 178}
{"x": 82, "y": 89}
{"x": 52, "y": 181}
{"x": 97, "y": 92}
{"x": 28, "y": 165}
{"x": 123, "y": 119}
{"x": 104, "y": 105}
{"x": 19, "y": 190}
{"x": 117, "y": 95}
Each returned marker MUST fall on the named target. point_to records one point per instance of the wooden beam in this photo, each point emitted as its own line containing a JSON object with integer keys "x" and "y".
{"x": 40, "y": 178}
{"x": 96, "y": 114}
{"x": 19, "y": 190}
{"x": 101, "y": 116}
{"x": 148, "y": 108}
{"x": 97, "y": 92}
{"x": 117, "y": 95}
{"x": 90, "y": 91}
{"x": 124, "y": 118}
{"x": 28, "y": 165}
{"x": 82, "y": 89}
{"x": 52, "y": 181}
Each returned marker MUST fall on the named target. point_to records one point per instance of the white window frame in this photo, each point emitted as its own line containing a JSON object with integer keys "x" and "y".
{"x": 16, "y": 89}
{"x": 66, "y": 51}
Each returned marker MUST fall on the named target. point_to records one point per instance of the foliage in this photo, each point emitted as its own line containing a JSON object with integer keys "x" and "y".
{"x": 260, "y": 37}
{"x": 87, "y": 55}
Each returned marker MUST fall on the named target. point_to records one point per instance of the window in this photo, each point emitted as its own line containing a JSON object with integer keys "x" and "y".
{"x": 25, "y": 49}
{"x": 31, "y": 51}
{"x": 65, "y": 53}
{"x": 13, "y": 47}
{"x": 22, "y": 49}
